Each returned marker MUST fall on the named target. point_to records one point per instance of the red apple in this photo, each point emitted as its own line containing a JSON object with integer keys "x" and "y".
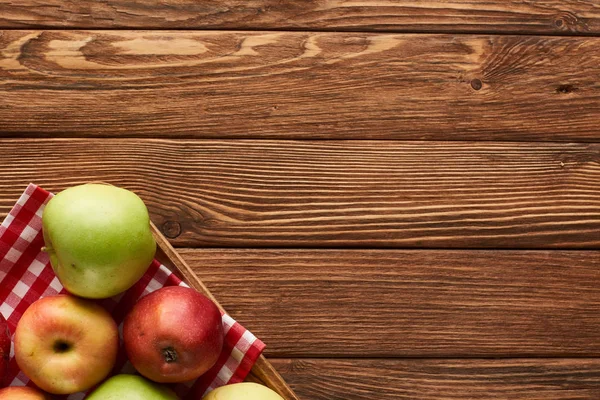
{"x": 66, "y": 344}
{"x": 21, "y": 393}
{"x": 4, "y": 350}
{"x": 174, "y": 334}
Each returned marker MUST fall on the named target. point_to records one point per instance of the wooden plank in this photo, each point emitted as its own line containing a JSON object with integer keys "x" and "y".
{"x": 409, "y": 303}
{"x": 334, "y": 193}
{"x": 522, "y": 379}
{"x": 299, "y": 85}
{"x": 494, "y": 16}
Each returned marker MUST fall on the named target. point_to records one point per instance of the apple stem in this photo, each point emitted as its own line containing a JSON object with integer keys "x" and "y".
{"x": 169, "y": 354}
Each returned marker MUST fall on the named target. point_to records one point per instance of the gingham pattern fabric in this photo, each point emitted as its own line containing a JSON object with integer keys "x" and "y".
{"x": 26, "y": 275}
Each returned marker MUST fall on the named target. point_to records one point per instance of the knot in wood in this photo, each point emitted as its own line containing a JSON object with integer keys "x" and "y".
{"x": 476, "y": 84}
{"x": 568, "y": 21}
{"x": 171, "y": 229}
{"x": 566, "y": 89}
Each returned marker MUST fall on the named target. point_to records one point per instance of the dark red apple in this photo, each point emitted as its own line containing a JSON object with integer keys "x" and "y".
{"x": 174, "y": 334}
{"x": 4, "y": 350}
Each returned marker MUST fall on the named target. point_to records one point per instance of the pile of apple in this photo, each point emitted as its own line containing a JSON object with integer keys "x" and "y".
{"x": 100, "y": 244}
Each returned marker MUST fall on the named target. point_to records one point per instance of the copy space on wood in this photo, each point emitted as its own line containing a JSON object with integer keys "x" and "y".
{"x": 517, "y": 379}
{"x": 298, "y": 85}
{"x": 409, "y": 303}
{"x": 263, "y": 193}
{"x": 498, "y": 16}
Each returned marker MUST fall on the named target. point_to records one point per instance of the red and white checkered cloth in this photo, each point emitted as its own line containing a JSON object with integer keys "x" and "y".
{"x": 26, "y": 275}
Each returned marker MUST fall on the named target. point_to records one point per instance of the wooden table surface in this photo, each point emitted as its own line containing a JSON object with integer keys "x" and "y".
{"x": 401, "y": 198}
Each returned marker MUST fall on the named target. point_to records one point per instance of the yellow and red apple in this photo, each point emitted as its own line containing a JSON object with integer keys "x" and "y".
{"x": 243, "y": 391}
{"x": 66, "y": 344}
{"x": 22, "y": 393}
{"x": 174, "y": 334}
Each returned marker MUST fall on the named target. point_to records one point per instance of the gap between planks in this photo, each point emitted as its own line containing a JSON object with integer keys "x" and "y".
{"x": 299, "y": 30}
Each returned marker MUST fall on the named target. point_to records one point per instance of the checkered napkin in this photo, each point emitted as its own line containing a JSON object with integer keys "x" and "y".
{"x": 26, "y": 275}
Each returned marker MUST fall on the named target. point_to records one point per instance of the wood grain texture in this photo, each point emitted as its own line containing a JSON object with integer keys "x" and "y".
{"x": 498, "y": 16}
{"x": 334, "y": 193}
{"x": 409, "y": 303}
{"x": 299, "y": 85}
{"x": 520, "y": 379}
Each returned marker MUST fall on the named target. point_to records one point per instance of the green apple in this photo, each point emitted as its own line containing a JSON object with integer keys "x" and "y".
{"x": 131, "y": 387}
{"x": 243, "y": 391}
{"x": 98, "y": 238}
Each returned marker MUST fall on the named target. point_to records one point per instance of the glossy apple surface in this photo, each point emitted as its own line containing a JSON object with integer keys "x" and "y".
{"x": 174, "y": 334}
{"x": 4, "y": 351}
{"x": 98, "y": 238}
{"x": 21, "y": 393}
{"x": 66, "y": 344}
{"x": 243, "y": 391}
{"x": 131, "y": 387}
